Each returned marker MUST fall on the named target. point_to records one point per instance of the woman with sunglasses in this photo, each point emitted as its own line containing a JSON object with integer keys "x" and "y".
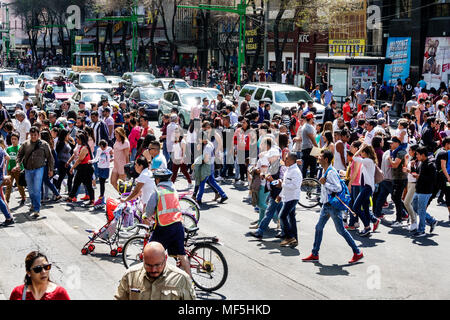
{"x": 37, "y": 284}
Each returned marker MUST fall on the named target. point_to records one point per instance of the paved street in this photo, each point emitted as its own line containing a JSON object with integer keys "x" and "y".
{"x": 395, "y": 266}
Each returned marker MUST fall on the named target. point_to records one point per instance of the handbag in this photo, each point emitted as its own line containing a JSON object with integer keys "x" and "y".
{"x": 340, "y": 200}
{"x": 379, "y": 176}
{"x": 22, "y": 179}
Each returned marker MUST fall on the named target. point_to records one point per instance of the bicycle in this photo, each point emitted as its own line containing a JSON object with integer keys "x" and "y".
{"x": 310, "y": 196}
{"x": 207, "y": 262}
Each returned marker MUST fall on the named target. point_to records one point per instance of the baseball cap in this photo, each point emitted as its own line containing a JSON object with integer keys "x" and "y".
{"x": 81, "y": 102}
{"x": 395, "y": 139}
{"x": 25, "y": 93}
{"x": 310, "y": 115}
{"x": 71, "y": 121}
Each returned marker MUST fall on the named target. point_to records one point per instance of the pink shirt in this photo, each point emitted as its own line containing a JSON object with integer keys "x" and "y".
{"x": 134, "y": 136}
{"x": 120, "y": 151}
{"x": 195, "y": 112}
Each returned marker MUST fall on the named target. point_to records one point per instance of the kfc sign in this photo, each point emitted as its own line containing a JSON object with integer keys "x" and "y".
{"x": 303, "y": 38}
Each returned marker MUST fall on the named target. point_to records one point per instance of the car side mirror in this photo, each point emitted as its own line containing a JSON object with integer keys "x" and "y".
{"x": 175, "y": 103}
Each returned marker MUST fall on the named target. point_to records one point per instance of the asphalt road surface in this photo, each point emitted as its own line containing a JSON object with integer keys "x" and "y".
{"x": 395, "y": 265}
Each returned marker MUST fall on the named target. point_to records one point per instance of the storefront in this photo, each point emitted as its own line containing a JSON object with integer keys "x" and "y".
{"x": 347, "y": 73}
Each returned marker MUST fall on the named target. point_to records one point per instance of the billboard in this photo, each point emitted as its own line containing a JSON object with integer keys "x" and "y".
{"x": 399, "y": 50}
{"x": 436, "y": 61}
{"x": 349, "y": 48}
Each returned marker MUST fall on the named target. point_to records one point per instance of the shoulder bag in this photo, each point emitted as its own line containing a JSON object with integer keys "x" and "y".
{"x": 340, "y": 200}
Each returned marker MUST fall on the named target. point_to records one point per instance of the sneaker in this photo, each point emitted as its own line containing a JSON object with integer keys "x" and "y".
{"x": 288, "y": 242}
{"x": 311, "y": 258}
{"x": 85, "y": 198}
{"x": 350, "y": 228}
{"x": 376, "y": 224}
{"x": 68, "y": 199}
{"x": 293, "y": 244}
{"x": 279, "y": 235}
{"x": 219, "y": 178}
{"x": 255, "y": 235}
{"x": 223, "y": 199}
{"x": 433, "y": 225}
{"x": 254, "y": 222}
{"x": 255, "y": 226}
{"x": 35, "y": 215}
{"x": 239, "y": 183}
{"x": 190, "y": 185}
{"x": 419, "y": 234}
{"x": 364, "y": 232}
{"x": 356, "y": 257}
{"x": 396, "y": 224}
{"x": 385, "y": 205}
{"x": 98, "y": 202}
{"x": 7, "y": 223}
{"x": 412, "y": 227}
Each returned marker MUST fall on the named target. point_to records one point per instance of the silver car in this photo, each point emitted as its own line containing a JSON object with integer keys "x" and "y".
{"x": 91, "y": 80}
{"x": 10, "y": 97}
{"x": 89, "y": 97}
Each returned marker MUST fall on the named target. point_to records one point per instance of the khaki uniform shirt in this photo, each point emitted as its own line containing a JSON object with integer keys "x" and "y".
{"x": 173, "y": 284}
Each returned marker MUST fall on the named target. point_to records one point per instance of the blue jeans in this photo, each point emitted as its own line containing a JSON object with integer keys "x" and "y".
{"x": 419, "y": 203}
{"x": 133, "y": 154}
{"x": 327, "y": 212}
{"x": 213, "y": 184}
{"x": 262, "y": 202}
{"x": 3, "y": 207}
{"x": 46, "y": 182}
{"x": 272, "y": 210}
{"x": 287, "y": 219}
{"x": 386, "y": 188}
{"x": 363, "y": 200}
{"x": 354, "y": 194}
{"x": 34, "y": 180}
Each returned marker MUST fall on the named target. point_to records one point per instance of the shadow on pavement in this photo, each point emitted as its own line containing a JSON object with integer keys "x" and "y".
{"x": 367, "y": 242}
{"x": 425, "y": 241}
{"x": 275, "y": 245}
{"x": 335, "y": 269}
{"x": 204, "y": 295}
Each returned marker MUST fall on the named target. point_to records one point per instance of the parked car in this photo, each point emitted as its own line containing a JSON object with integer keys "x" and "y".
{"x": 10, "y": 78}
{"x": 214, "y": 92}
{"x": 54, "y": 69}
{"x": 148, "y": 97}
{"x": 91, "y": 80}
{"x": 281, "y": 96}
{"x": 163, "y": 83}
{"x": 10, "y": 97}
{"x": 183, "y": 100}
{"x": 136, "y": 79}
{"x": 89, "y": 96}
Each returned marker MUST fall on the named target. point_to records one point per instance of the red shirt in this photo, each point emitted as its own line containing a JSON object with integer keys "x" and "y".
{"x": 346, "y": 108}
{"x": 58, "y": 294}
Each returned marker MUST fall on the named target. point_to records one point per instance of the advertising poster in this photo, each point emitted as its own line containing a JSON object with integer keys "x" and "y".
{"x": 399, "y": 50}
{"x": 363, "y": 76}
{"x": 436, "y": 61}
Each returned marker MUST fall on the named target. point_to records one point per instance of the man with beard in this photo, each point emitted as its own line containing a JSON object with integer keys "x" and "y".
{"x": 154, "y": 279}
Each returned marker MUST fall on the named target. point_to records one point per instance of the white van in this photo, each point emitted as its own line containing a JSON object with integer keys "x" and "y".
{"x": 281, "y": 96}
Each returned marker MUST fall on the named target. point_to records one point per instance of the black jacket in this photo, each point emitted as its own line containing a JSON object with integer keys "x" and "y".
{"x": 328, "y": 114}
{"x": 427, "y": 177}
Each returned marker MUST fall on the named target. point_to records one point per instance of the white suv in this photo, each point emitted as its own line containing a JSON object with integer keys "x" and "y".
{"x": 281, "y": 96}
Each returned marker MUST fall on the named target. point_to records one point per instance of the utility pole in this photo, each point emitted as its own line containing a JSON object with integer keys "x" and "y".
{"x": 266, "y": 35}
{"x": 239, "y": 9}
{"x": 134, "y": 18}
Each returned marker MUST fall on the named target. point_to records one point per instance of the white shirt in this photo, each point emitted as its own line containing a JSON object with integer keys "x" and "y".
{"x": 332, "y": 185}
{"x": 22, "y": 128}
{"x": 291, "y": 184}
{"x": 367, "y": 170}
{"x": 233, "y": 118}
{"x": 170, "y": 139}
{"x": 339, "y": 164}
{"x": 103, "y": 158}
{"x": 369, "y": 137}
{"x": 110, "y": 122}
{"x": 146, "y": 177}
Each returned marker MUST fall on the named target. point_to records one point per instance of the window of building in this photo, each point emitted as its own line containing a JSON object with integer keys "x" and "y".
{"x": 440, "y": 9}
{"x": 403, "y": 9}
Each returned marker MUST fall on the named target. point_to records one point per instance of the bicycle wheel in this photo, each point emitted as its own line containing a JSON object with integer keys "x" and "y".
{"x": 208, "y": 267}
{"x": 133, "y": 251}
{"x": 310, "y": 196}
{"x": 189, "y": 205}
{"x": 189, "y": 221}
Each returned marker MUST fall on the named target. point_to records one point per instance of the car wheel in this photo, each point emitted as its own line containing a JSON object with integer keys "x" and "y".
{"x": 160, "y": 118}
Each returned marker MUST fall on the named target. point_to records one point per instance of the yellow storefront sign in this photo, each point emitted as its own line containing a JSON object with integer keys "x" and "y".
{"x": 349, "y": 48}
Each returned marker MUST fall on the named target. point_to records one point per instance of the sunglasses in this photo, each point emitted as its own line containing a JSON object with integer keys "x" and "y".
{"x": 38, "y": 269}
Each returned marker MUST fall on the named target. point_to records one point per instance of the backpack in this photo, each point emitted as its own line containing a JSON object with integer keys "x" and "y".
{"x": 340, "y": 200}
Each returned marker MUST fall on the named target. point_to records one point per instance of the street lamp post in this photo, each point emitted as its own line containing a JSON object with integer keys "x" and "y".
{"x": 134, "y": 19}
{"x": 7, "y": 29}
{"x": 240, "y": 9}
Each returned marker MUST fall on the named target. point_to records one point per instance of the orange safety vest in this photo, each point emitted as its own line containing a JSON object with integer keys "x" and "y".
{"x": 168, "y": 210}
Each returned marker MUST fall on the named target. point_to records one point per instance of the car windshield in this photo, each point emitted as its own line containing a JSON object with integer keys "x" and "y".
{"x": 52, "y": 75}
{"x": 190, "y": 98}
{"x": 24, "y": 78}
{"x": 95, "y": 96}
{"x": 143, "y": 78}
{"x": 12, "y": 92}
{"x": 151, "y": 94}
{"x": 291, "y": 96}
{"x": 30, "y": 85}
{"x": 114, "y": 80}
{"x": 93, "y": 78}
{"x": 178, "y": 84}
{"x": 66, "y": 88}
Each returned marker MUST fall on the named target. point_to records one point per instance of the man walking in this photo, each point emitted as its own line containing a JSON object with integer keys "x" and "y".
{"x": 35, "y": 154}
{"x": 308, "y": 142}
{"x": 289, "y": 196}
{"x": 330, "y": 185}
